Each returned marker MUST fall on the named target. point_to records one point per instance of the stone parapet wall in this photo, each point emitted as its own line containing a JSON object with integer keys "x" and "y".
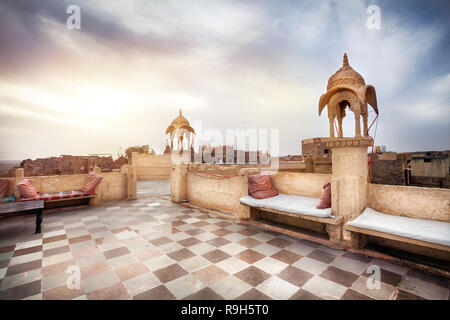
{"x": 221, "y": 193}
{"x": 222, "y": 189}
{"x": 302, "y": 184}
{"x": 114, "y": 185}
{"x": 408, "y": 201}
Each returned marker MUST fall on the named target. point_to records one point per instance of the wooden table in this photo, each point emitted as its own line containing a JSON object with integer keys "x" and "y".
{"x": 35, "y": 205}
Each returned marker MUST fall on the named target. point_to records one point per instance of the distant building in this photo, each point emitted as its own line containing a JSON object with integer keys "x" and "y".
{"x": 389, "y": 168}
{"x": 229, "y": 155}
{"x": 430, "y": 169}
{"x": 315, "y": 147}
{"x": 66, "y": 164}
{"x": 380, "y": 149}
{"x": 291, "y": 157}
{"x": 424, "y": 169}
{"x": 119, "y": 162}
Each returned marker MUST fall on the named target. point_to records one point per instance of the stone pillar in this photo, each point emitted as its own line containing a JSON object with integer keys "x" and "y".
{"x": 178, "y": 182}
{"x": 19, "y": 175}
{"x": 134, "y": 160}
{"x": 357, "y": 124}
{"x": 131, "y": 183}
{"x": 99, "y": 190}
{"x": 349, "y": 178}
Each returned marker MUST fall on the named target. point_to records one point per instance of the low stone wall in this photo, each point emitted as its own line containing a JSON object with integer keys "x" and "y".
{"x": 221, "y": 188}
{"x": 151, "y": 166}
{"x": 11, "y": 186}
{"x": 217, "y": 192}
{"x": 114, "y": 186}
{"x": 413, "y": 202}
{"x": 302, "y": 184}
{"x": 215, "y": 189}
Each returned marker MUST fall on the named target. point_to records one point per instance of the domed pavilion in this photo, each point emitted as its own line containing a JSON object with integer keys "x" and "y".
{"x": 180, "y": 129}
{"x": 346, "y": 88}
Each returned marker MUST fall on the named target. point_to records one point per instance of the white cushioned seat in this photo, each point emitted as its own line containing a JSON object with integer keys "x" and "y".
{"x": 290, "y": 203}
{"x": 420, "y": 229}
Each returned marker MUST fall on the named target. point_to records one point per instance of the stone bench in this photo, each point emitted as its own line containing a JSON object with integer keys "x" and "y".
{"x": 420, "y": 232}
{"x": 295, "y": 206}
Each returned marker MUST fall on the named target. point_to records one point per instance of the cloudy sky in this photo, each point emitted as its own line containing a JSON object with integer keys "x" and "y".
{"x": 121, "y": 79}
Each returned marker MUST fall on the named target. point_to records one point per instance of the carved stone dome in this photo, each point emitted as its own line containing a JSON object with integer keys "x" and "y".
{"x": 179, "y": 122}
{"x": 345, "y": 75}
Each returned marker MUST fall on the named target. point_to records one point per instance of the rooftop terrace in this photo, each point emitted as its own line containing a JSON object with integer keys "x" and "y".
{"x": 152, "y": 248}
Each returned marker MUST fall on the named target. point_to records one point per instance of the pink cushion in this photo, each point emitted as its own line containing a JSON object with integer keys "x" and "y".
{"x": 325, "y": 199}
{"x": 26, "y": 189}
{"x": 92, "y": 181}
{"x": 3, "y": 188}
{"x": 260, "y": 187}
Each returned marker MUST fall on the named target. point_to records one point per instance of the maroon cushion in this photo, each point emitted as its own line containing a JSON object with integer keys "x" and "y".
{"x": 260, "y": 187}
{"x": 92, "y": 181}
{"x": 325, "y": 199}
{"x": 3, "y": 188}
{"x": 26, "y": 189}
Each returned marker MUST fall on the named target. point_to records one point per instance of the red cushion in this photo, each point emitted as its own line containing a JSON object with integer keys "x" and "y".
{"x": 260, "y": 187}
{"x": 3, "y": 188}
{"x": 26, "y": 189}
{"x": 92, "y": 181}
{"x": 325, "y": 199}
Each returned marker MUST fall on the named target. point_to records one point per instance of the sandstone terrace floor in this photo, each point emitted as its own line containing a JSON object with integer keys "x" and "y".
{"x": 152, "y": 248}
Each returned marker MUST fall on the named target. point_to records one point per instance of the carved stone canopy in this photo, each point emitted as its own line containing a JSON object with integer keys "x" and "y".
{"x": 347, "y": 88}
{"x": 179, "y": 129}
{"x": 179, "y": 122}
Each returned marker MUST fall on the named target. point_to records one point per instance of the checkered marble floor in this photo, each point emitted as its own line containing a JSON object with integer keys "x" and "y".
{"x": 154, "y": 249}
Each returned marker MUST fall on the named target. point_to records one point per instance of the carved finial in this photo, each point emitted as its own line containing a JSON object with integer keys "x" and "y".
{"x": 180, "y": 112}
{"x": 345, "y": 62}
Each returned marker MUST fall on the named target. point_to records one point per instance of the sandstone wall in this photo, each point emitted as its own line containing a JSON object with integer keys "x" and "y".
{"x": 214, "y": 190}
{"x": 221, "y": 193}
{"x": 303, "y": 184}
{"x": 113, "y": 186}
{"x": 151, "y": 166}
{"x": 413, "y": 202}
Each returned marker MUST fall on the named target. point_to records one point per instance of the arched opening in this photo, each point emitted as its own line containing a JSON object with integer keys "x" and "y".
{"x": 343, "y": 125}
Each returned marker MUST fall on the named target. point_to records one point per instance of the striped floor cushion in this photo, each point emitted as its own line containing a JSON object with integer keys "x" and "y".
{"x": 59, "y": 195}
